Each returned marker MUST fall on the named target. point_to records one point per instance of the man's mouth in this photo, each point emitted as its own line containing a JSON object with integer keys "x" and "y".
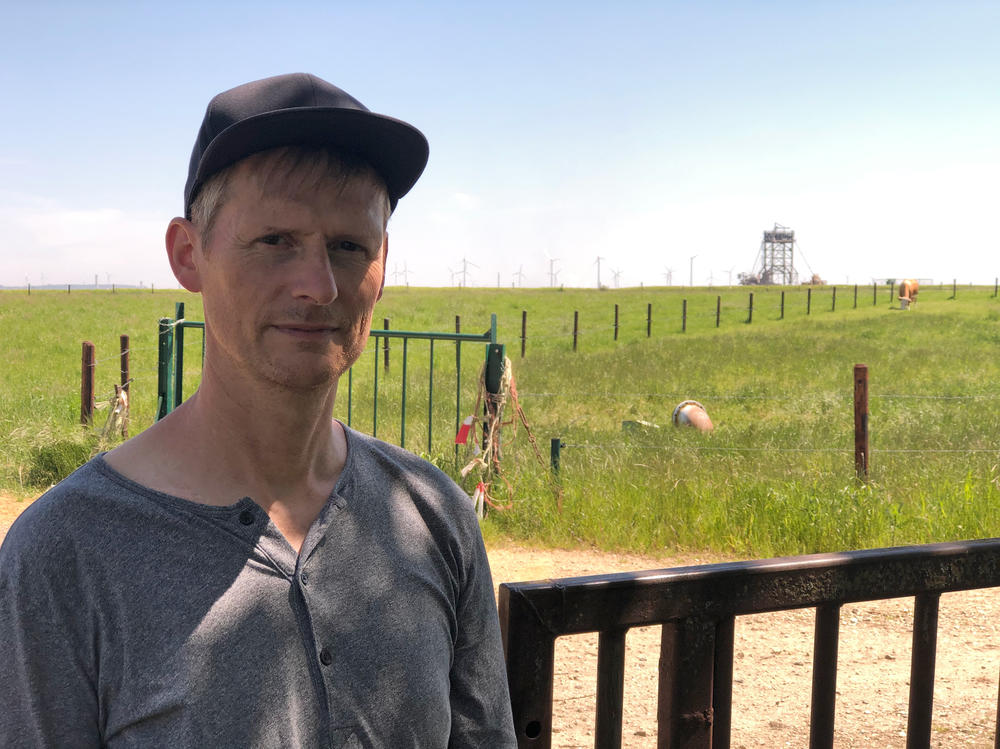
{"x": 306, "y": 331}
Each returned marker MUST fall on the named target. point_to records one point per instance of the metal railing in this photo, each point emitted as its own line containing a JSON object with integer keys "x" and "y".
{"x": 697, "y": 607}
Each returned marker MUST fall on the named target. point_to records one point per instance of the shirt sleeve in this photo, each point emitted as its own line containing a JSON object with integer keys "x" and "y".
{"x": 480, "y": 701}
{"x": 47, "y": 680}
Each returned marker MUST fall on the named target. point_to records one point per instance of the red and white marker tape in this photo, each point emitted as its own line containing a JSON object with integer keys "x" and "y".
{"x": 463, "y": 431}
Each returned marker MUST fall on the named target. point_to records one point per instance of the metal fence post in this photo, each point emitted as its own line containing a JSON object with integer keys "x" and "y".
{"x": 164, "y": 362}
{"x": 179, "y": 354}
{"x": 750, "y": 309}
{"x": 555, "y": 445}
{"x": 493, "y": 378}
{"x": 718, "y": 310}
{"x": 402, "y": 408}
{"x": 649, "y": 319}
{"x": 684, "y": 315}
{"x": 782, "y": 315}
{"x": 833, "y": 304}
{"x": 385, "y": 344}
{"x": 616, "y": 322}
{"x": 524, "y": 330}
{"x": 576, "y": 326}
{"x": 430, "y": 400}
{"x": 809, "y": 299}
{"x": 855, "y": 296}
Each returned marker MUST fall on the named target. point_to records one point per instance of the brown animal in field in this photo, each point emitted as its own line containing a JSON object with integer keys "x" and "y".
{"x": 908, "y": 292}
{"x": 693, "y": 414}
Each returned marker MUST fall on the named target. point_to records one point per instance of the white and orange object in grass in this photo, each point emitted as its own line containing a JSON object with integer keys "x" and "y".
{"x": 908, "y": 292}
{"x": 692, "y": 414}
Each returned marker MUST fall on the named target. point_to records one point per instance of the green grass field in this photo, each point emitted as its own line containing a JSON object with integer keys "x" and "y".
{"x": 776, "y": 476}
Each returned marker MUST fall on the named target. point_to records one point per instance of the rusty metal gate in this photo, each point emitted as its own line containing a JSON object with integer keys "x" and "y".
{"x": 697, "y": 607}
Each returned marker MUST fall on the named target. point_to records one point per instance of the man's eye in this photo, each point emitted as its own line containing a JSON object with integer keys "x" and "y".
{"x": 272, "y": 239}
{"x": 346, "y": 245}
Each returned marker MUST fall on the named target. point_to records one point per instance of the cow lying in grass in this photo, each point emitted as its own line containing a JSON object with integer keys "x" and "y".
{"x": 908, "y": 292}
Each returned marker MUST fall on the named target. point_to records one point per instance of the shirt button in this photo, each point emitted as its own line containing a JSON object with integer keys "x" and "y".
{"x": 246, "y": 517}
{"x": 304, "y": 578}
{"x": 325, "y": 657}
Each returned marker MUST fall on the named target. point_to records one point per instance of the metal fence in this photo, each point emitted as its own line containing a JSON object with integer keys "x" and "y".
{"x": 697, "y": 607}
{"x": 170, "y": 368}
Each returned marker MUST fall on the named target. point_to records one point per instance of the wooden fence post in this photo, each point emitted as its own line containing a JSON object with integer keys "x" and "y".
{"x": 750, "y": 310}
{"x": 809, "y": 299}
{"x": 874, "y": 293}
{"x": 524, "y": 329}
{"x": 833, "y": 305}
{"x": 861, "y": 446}
{"x": 954, "y": 288}
{"x": 576, "y": 326}
{"x": 782, "y": 315}
{"x": 855, "y": 296}
{"x": 123, "y": 360}
{"x": 87, "y": 384}
{"x": 458, "y": 382}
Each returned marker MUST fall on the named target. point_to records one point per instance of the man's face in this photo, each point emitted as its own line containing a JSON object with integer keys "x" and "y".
{"x": 289, "y": 277}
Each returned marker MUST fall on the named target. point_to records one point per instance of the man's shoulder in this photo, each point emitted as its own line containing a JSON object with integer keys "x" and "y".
{"x": 370, "y": 453}
{"x": 65, "y": 513}
{"x": 375, "y": 463}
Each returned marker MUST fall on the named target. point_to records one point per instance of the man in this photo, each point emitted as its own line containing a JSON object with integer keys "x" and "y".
{"x": 248, "y": 571}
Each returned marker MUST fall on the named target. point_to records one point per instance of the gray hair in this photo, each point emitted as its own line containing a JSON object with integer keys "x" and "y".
{"x": 285, "y": 166}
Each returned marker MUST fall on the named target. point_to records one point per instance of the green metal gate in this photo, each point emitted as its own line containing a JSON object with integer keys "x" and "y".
{"x": 171, "y": 368}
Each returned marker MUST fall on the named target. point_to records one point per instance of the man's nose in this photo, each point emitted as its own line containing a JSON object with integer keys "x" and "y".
{"x": 314, "y": 279}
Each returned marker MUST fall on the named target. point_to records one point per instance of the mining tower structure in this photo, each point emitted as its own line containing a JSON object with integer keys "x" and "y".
{"x": 776, "y": 260}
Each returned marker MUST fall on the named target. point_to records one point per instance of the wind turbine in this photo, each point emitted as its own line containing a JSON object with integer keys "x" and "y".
{"x": 617, "y": 274}
{"x": 519, "y": 276}
{"x": 465, "y": 271}
{"x": 598, "y": 264}
{"x": 553, "y": 273}
{"x": 669, "y": 276}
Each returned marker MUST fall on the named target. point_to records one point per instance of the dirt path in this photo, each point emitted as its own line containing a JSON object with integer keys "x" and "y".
{"x": 773, "y": 663}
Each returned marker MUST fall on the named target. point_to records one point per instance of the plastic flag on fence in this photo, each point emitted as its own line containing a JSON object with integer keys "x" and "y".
{"x": 463, "y": 431}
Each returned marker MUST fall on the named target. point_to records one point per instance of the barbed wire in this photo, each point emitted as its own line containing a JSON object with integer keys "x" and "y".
{"x": 743, "y": 396}
{"x": 711, "y": 448}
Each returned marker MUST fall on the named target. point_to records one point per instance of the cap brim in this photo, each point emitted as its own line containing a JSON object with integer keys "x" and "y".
{"x": 396, "y": 150}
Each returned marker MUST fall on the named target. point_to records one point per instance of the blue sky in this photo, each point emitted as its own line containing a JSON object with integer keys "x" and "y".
{"x": 642, "y": 133}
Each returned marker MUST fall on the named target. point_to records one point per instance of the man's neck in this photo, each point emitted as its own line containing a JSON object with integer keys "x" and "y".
{"x": 278, "y": 446}
{"x": 277, "y": 440}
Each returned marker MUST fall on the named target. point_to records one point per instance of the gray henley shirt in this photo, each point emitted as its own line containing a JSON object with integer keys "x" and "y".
{"x": 131, "y": 618}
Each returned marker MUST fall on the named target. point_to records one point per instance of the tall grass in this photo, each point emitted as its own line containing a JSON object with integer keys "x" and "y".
{"x": 776, "y": 476}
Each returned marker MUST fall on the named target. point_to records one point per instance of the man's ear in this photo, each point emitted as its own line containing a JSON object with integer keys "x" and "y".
{"x": 183, "y": 242}
{"x": 385, "y": 254}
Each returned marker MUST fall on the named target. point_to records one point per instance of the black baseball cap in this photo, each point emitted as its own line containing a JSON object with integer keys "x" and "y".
{"x": 301, "y": 109}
